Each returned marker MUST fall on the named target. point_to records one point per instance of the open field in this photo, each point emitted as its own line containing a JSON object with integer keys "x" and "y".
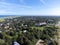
{"x": 1, "y": 20}
{"x": 39, "y": 28}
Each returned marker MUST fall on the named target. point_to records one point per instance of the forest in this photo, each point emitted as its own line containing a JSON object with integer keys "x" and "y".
{"x": 25, "y": 31}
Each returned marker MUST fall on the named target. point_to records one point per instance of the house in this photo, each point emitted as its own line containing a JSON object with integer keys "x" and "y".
{"x": 8, "y": 23}
{"x": 24, "y": 31}
{"x": 40, "y": 24}
{"x": 6, "y": 27}
{"x": 24, "y": 25}
{"x": 16, "y": 43}
{"x": 50, "y": 21}
{"x": 1, "y": 24}
{"x": 10, "y": 28}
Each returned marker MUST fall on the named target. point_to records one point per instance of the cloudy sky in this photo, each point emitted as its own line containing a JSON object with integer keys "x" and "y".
{"x": 30, "y": 7}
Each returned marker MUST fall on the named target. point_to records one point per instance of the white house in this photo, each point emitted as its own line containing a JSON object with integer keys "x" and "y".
{"x": 6, "y": 27}
{"x": 24, "y": 31}
{"x": 1, "y": 24}
{"x": 8, "y": 23}
{"x": 16, "y": 43}
{"x": 40, "y": 24}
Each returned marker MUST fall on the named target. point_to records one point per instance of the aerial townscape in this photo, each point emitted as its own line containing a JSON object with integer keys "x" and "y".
{"x": 30, "y": 30}
{"x": 29, "y": 22}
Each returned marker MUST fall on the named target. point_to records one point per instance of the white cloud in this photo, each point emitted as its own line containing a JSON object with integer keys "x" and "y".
{"x": 10, "y": 8}
{"x": 50, "y": 11}
{"x": 4, "y": 12}
{"x": 16, "y": 5}
{"x": 55, "y": 11}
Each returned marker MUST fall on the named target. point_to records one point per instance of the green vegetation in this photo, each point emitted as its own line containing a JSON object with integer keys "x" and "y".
{"x": 1, "y": 20}
{"x": 24, "y": 31}
{"x": 39, "y": 28}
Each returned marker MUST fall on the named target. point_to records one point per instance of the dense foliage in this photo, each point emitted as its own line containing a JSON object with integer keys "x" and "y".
{"x": 26, "y": 35}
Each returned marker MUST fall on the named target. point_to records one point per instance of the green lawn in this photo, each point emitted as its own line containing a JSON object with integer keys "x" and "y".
{"x": 1, "y": 20}
{"x": 39, "y": 28}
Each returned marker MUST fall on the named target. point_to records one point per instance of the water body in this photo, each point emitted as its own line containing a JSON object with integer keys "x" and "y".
{"x": 5, "y": 16}
{"x": 27, "y": 16}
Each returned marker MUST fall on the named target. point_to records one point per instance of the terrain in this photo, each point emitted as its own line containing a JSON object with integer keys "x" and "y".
{"x": 28, "y": 30}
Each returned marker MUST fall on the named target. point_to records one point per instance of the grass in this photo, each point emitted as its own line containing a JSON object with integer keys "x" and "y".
{"x": 39, "y": 28}
{"x": 1, "y": 20}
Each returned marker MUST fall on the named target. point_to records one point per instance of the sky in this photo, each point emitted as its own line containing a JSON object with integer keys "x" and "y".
{"x": 30, "y": 7}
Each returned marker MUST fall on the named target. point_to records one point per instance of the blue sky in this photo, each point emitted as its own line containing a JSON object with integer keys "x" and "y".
{"x": 30, "y": 7}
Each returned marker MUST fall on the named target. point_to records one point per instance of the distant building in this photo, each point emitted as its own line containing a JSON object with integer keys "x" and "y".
{"x": 1, "y": 24}
{"x": 40, "y": 24}
{"x": 26, "y": 25}
{"x": 50, "y": 21}
{"x": 6, "y": 27}
{"x": 8, "y": 23}
{"x": 24, "y": 31}
{"x": 10, "y": 28}
{"x": 22, "y": 25}
{"x": 15, "y": 19}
